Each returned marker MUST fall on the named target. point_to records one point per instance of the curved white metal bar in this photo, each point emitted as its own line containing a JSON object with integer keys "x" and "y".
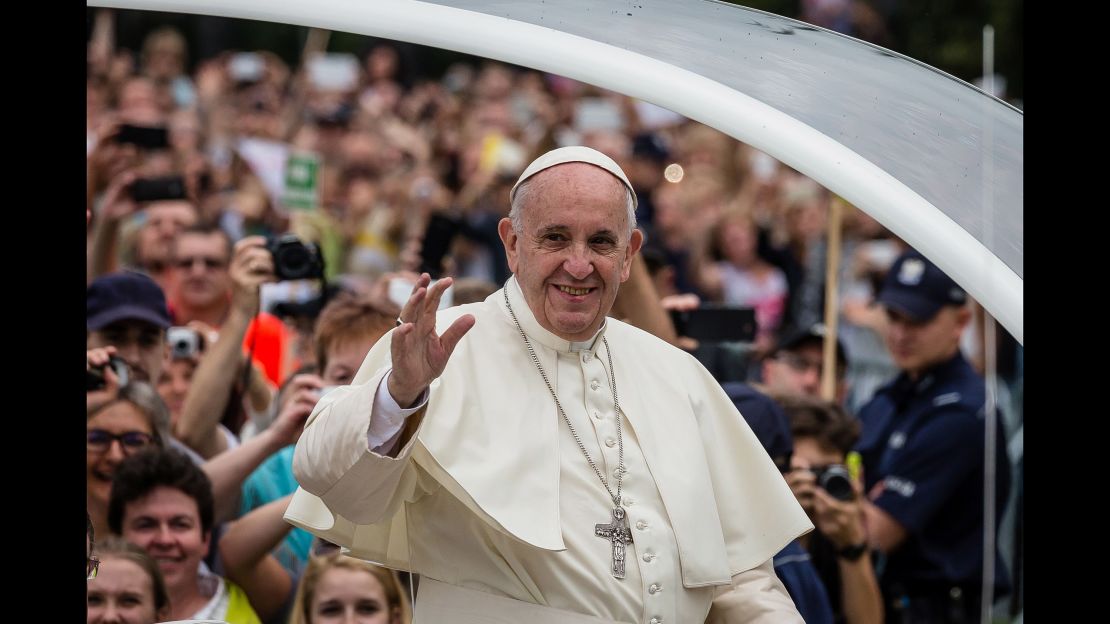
{"x": 838, "y": 168}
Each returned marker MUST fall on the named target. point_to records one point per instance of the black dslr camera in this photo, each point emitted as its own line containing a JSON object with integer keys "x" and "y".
{"x": 836, "y": 480}
{"x": 94, "y": 377}
{"x": 294, "y": 260}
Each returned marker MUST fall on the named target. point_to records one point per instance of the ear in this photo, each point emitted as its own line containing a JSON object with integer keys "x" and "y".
{"x": 634, "y": 243}
{"x": 509, "y": 238}
{"x": 963, "y": 317}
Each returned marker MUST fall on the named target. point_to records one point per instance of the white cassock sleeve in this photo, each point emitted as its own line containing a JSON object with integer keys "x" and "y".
{"x": 334, "y": 461}
{"x": 757, "y": 596}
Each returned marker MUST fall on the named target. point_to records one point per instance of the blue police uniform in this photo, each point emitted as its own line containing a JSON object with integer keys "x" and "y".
{"x": 923, "y": 440}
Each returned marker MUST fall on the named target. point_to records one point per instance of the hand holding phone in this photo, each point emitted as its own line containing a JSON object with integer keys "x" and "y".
{"x": 146, "y": 137}
{"x": 159, "y": 189}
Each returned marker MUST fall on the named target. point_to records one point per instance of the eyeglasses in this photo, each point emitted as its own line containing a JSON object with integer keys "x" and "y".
{"x": 210, "y": 263}
{"x": 92, "y": 567}
{"x": 99, "y": 441}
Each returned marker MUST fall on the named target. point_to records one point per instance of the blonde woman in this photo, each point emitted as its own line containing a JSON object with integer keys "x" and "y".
{"x": 337, "y": 588}
{"x": 128, "y": 586}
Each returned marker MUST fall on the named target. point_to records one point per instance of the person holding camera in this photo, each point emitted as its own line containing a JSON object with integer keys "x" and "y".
{"x": 922, "y": 448}
{"x": 205, "y": 291}
{"x": 823, "y": 436}
{"x": 127, "y": 311}
{"x": 212, "y": 390}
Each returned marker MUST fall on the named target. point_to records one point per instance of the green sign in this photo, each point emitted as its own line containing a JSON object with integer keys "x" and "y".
{"x": 302, "y": 173}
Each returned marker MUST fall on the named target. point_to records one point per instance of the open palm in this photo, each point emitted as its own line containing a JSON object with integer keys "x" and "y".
{"x": 419, "y": 354}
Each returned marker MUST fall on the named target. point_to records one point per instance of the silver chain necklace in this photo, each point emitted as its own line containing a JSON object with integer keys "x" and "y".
{"x": 617, "y": 530}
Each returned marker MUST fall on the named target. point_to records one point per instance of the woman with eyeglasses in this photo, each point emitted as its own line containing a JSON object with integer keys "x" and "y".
{"x": 127, "y": 587}
{"x": 134, "y": 420}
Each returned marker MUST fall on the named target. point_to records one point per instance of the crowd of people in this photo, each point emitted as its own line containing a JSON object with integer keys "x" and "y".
{"x": 254, "y": 229}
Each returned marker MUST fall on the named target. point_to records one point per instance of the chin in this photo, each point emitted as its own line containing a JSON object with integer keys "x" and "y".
{"x": 98, "y": 490}
{"x": 580, "y": 329}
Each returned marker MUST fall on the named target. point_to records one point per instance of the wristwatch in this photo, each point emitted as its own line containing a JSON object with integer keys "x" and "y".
{"x": 852, "y": 553}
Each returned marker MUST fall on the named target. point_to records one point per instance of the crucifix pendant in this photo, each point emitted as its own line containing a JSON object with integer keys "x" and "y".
{"x": 618, "y": 534}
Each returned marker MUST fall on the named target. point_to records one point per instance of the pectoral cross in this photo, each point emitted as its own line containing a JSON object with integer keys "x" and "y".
{"x": 618, "y": 534}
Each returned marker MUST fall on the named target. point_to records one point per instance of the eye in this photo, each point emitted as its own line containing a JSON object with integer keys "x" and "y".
{"x": 554, "y": 237}
{"x": 95, "y": 600}
{"x": 143, "y": 524}
{"x": 136, "y": 439}
{"x": 602, "y": 241}
{"x": 369, "y": 607}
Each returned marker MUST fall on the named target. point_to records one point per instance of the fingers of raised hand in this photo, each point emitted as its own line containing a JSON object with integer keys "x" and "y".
{"x": 413, "y": 310}
{"x": 454, "y": 333}
{"x": 435, "y": 293}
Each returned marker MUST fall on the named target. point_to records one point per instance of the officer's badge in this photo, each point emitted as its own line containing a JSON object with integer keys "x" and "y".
{"x": 911, "y": 272}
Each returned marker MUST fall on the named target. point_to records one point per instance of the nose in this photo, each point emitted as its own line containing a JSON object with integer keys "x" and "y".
{"x": 109, "y": 613}
{"x": 180, "y": 387}
{"x": 129, "y": 350}
{"x": 163, "y": 536}
{"x": 196, "y": 267}
{"x": 812, "y": 379}
{"x": 898, "y": 330}
{"x": 115, "y": 453}
{"x": 578, "y": 264}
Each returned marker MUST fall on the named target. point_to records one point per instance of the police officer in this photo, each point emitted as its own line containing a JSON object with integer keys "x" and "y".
{"x": 922, "y": 450}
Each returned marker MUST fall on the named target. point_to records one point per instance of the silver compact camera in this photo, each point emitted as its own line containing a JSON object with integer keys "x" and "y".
{"x": 184, "y": 342}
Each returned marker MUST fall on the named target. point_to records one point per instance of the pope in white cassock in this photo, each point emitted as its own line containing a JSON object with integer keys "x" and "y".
{"x": 537, "y": 462}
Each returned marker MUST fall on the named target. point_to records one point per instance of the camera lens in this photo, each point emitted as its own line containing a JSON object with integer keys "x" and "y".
{"x": 294, "y": 260}
{"x": 837, "y": 482}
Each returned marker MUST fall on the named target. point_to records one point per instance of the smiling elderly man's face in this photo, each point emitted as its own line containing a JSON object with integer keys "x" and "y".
{"x": 574, "y": 248}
